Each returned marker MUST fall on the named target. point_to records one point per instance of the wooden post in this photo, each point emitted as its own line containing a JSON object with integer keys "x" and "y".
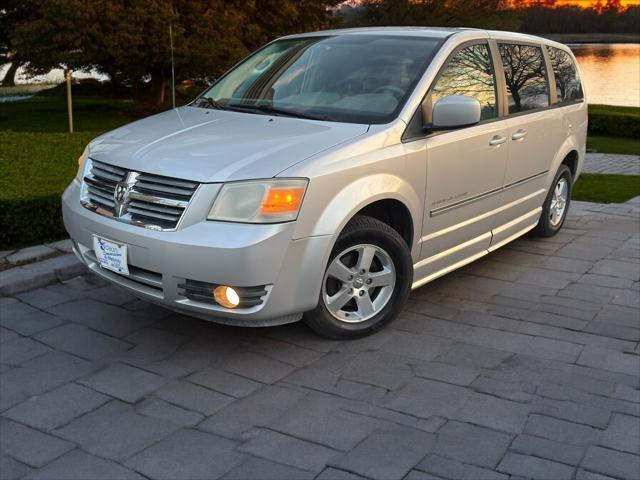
{"x": 173, "y": 71}
{"x": 67, "y": 74}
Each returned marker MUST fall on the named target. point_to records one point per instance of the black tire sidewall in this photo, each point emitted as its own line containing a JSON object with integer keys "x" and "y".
{"x": 324, "y": 323}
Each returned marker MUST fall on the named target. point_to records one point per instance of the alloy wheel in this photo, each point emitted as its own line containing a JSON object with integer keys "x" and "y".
{"x": 359, "y": 283}
{"x": 558, "y": 202}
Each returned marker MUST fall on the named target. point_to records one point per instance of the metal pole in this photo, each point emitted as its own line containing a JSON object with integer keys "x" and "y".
{"x": 173, "y": 72}
{"x": 69, "y": 100}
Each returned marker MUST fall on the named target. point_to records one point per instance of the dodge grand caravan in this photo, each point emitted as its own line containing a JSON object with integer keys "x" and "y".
{"x": 328, "y": 174}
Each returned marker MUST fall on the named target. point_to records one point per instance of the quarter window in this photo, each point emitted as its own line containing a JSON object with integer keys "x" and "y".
{"x": 568, "y": 84}
{"x": 525, "y": 76}
{"x": 469, "y": 73}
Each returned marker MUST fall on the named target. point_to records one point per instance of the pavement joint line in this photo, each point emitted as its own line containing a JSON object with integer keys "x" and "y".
{"x": 583, "y": 401}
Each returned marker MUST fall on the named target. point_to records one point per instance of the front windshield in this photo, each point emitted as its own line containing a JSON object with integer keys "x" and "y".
{"x": 345, "y": 78}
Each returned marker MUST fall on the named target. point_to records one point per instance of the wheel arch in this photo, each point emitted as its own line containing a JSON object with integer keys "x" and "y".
{"x": 568, "y": 154}
{"x": 386, "y": 197}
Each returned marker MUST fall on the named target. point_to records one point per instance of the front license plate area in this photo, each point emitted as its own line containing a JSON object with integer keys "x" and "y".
{"x": 111, "y": 255}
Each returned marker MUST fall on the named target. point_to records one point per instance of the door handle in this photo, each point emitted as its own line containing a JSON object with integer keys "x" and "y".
{"x": 497, "y": 140}
{"x": 519, "y": 135}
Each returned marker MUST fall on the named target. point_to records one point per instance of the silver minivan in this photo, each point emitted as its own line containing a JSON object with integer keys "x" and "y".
{"x": 328, "y": 174}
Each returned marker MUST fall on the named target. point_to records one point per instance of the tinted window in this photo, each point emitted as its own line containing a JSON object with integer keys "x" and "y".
{"x": 346, "y": 78}
{"x": 567, "y": 80}
{"x": 525, "y": 75}
{"x": 469, "y": 73}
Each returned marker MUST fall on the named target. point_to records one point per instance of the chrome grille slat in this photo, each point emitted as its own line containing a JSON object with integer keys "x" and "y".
{"x": 138, "y": 212}
{"x": 109, "y": 168}
{"x": 170, "y": 202}
{"x": 145, "y": 177}
{"x": 152, "y": 201}
{"x": 156, "y": 208}
{"x": 103, "y": 174}
{"x": 102, "y": 195}
{"x": 148, "y": 186}
{"x": 98, "y": 183}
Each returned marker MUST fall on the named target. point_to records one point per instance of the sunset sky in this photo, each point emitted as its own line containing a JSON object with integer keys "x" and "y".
{"x": 588, "y": 3}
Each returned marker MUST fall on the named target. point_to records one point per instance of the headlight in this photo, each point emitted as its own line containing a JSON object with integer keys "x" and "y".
{"x": 260, "y": 201}
{"x": 83, "y": 165}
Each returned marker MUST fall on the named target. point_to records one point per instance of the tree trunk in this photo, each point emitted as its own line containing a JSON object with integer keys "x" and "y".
{"x": 9, "y": 79}
{"x": 158, "y": 86}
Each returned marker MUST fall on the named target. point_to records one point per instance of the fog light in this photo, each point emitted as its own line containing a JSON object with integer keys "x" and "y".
{"x": 226, "y": 296}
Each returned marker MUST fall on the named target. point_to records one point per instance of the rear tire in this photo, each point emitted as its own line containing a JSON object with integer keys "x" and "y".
{"x": 556, "y": 205}
{"x": 366, "y": 282}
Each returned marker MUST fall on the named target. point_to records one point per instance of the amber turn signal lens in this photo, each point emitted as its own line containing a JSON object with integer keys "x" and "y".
{"x": 226, "y": 296}
{"x": 282, "y": 200}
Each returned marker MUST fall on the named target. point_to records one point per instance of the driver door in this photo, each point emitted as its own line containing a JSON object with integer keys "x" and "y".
{"x": 465, "y": 168}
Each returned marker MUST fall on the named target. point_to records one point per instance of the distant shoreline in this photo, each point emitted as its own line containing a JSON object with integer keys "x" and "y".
{"x": 592, "y": 37}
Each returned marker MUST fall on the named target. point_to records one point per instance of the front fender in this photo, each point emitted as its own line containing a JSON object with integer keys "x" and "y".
{"x": 332, "y": 216}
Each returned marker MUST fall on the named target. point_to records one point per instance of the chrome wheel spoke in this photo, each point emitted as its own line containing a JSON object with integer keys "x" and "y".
{"x": 340, "y": 299}
{"x": 365, "y": 305}
{"x": 382, "y": 278}
{"x": 365, "y": 257}
{"x": 340, "y": 271}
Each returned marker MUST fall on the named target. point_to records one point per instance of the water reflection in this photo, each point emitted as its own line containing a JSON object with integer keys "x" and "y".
{"x": 611, "y": 72}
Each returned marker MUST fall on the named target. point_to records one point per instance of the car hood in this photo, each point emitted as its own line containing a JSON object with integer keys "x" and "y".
{"x": 208, "y": 145}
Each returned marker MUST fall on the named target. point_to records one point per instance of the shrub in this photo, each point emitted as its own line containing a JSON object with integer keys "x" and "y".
{"x": 611, "y": 121}
{"x": 30, "y": 220}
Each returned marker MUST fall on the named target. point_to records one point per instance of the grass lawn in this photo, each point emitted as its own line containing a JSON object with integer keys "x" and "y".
{"x": 38, "y": 160}
{"x": 614, "y": 110}
{"x": 621, "y": 145}
{"x": 606, "y": 188}
{"x": 37, "y": 155}
{"x": 49, "y": 114}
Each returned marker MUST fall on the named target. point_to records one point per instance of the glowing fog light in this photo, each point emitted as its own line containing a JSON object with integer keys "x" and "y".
{"x": 226, "y": 296}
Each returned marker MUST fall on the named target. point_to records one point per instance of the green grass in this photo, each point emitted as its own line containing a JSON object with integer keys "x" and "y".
{"x": 621, "y": 145}
{"x": 49, "y": 114}
{"x": 37, "y": 155}
{"x": 614, "y": 110}
{"x": 38, "y": 159}
{"x": 605, "y": 188}
{"x": 34, "y": 164}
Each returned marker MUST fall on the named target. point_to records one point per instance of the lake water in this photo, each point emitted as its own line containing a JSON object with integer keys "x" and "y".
{"x": 611, "y": 72}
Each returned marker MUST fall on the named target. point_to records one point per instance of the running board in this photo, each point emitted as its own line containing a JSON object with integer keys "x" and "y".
{"x": 468, "y": 260}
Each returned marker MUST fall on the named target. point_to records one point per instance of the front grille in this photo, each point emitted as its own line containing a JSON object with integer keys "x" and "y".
{"x": 153, "y": 201}
{"x": 203, "y": 292}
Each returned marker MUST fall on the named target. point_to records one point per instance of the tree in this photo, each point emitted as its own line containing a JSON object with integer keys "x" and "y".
{"x": 460, "y": 13}
{"x": 129, "y": 39}
{"x": 11, "y": 11}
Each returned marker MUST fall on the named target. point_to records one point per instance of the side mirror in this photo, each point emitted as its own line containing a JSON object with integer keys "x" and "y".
{"x": 455, "y": 111}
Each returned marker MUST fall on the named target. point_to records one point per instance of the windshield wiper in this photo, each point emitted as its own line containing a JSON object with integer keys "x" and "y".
{"x": 208, "y": 102}
{"x": 268, "y": 109}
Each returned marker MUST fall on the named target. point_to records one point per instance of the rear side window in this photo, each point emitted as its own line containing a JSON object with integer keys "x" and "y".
{"x": 469, "y": 73}
{"x": 525, "y": 75}
{"x": 568, "y": 84}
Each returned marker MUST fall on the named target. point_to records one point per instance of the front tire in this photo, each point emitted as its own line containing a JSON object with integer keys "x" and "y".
{"x": 556, "y": 205}
{"x": 366, "y": 282}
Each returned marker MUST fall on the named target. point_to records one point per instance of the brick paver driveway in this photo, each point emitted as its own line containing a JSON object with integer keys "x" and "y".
{"x": 524, "y": 364}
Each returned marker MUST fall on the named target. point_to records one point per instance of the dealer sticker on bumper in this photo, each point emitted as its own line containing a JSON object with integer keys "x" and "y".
{"x": 111, "y": 255}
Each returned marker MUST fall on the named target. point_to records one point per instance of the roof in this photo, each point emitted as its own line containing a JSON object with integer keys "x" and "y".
{"x": 432, "y": 32}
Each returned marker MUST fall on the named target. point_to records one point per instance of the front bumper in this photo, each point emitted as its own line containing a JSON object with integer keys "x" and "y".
{"x": 239, "y": 255}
